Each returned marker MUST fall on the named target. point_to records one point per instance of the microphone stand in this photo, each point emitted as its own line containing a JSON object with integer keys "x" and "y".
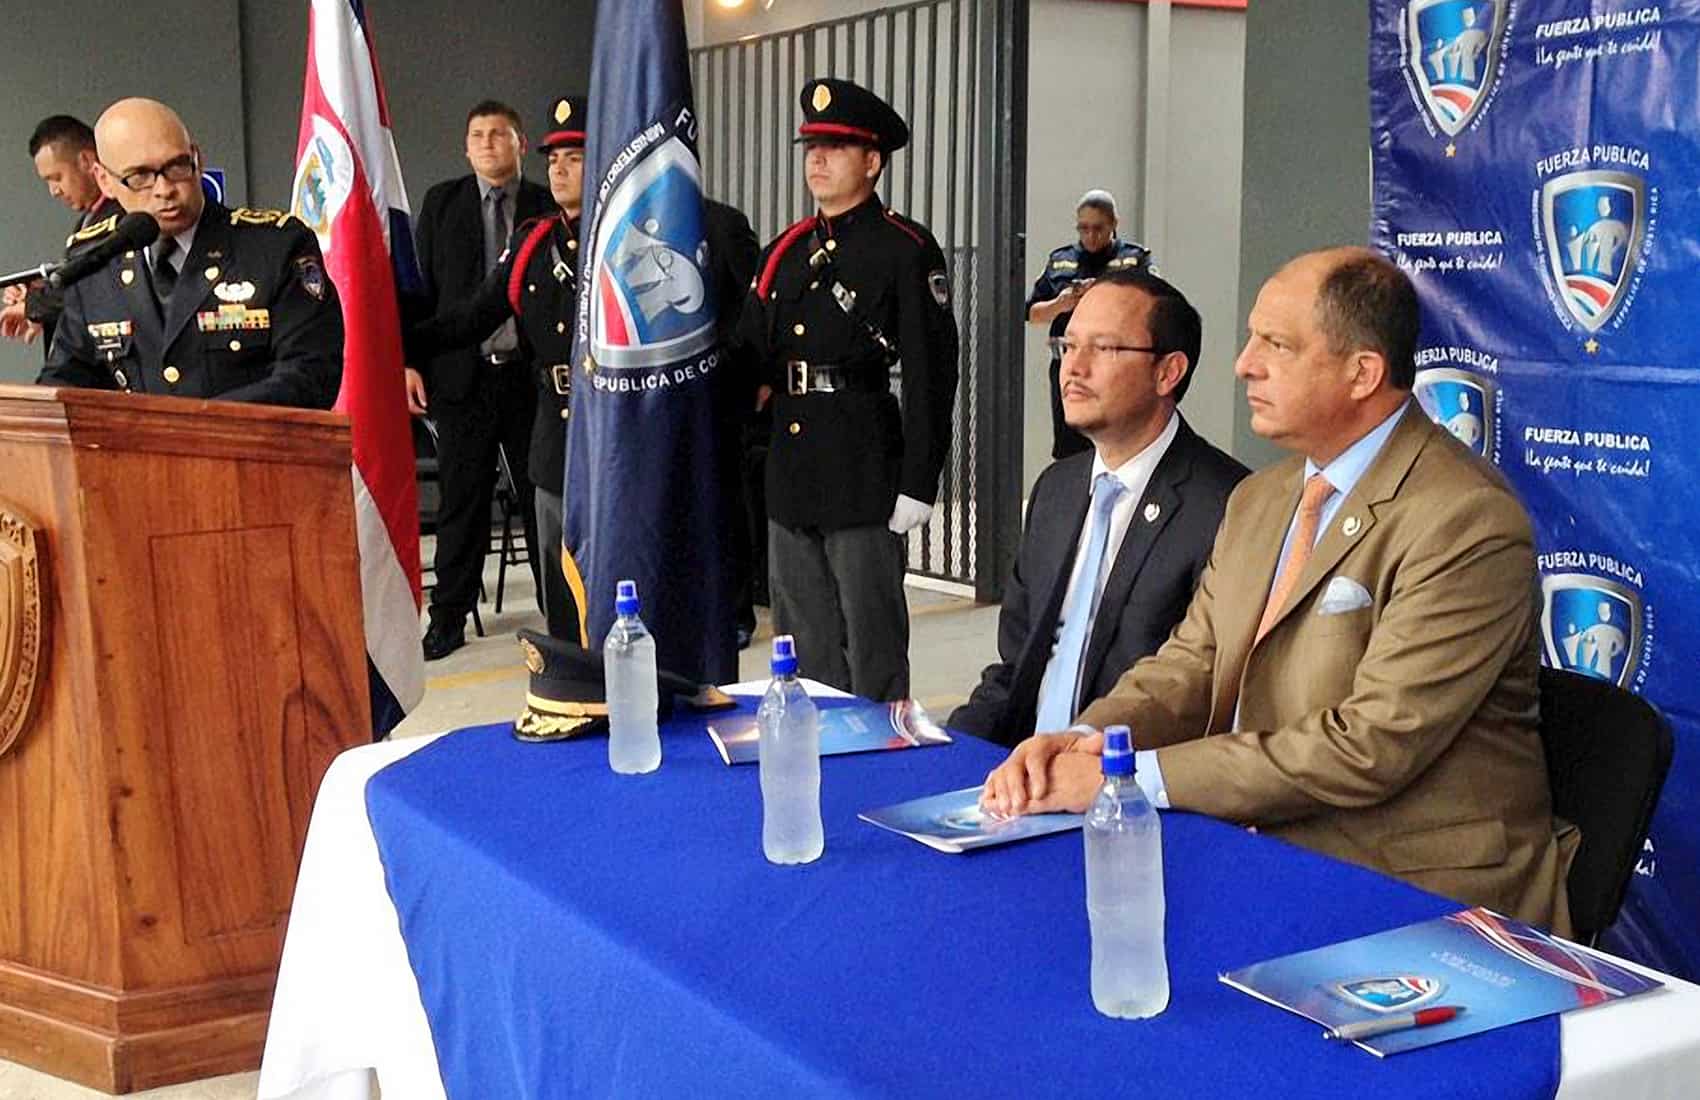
{"x": 29, "y": 275}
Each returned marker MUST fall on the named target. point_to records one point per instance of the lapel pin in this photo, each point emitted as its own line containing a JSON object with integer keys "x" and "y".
{"x": 1351, "y": 526}
{"x": 212, "y": 274}
{"x": 1152, "y": 511}
{"x": 126, "y": 276}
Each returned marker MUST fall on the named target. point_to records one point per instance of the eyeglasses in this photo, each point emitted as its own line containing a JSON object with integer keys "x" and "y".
{"x": 177, "y": 170}
{"x": 1064, "y": 348}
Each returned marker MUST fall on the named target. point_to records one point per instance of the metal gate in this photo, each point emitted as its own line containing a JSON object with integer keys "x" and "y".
{"x": 956, "y": 71}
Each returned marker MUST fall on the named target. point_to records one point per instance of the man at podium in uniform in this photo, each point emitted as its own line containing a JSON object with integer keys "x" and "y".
{"x": 233, "y": 304}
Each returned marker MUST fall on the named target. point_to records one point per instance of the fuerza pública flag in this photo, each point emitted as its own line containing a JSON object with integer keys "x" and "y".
{"x": 642, "y": 496}
{"x": 348, "y": 188}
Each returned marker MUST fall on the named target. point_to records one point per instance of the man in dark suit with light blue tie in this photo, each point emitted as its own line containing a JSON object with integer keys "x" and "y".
{"x": 1117, "y": 537}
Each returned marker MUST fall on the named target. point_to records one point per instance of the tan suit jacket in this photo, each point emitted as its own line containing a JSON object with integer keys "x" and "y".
{"x": 1400, "y": 735}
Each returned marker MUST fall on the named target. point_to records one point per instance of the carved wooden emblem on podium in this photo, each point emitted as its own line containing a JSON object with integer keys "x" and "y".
{"x": 21, "y": 624}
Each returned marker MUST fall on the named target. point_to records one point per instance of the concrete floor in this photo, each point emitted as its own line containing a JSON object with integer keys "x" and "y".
{"x": 951, "y": 640}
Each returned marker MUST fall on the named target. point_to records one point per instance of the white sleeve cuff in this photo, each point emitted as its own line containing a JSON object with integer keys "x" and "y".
{"x": 1150, "y": 778}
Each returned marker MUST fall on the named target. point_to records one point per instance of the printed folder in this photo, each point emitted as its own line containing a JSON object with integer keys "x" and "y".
{"x": 856, "y": 727}
{"x": 953, "y": 822}
{"x": 1499, "y": 970}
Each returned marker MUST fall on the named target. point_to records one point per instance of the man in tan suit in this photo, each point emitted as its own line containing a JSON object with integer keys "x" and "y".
{"x": 1362, "y": 649}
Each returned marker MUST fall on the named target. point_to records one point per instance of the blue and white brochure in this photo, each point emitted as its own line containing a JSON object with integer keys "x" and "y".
{"x": 855, "y": 727}
{"x": 1499, "y": 971}
{"x": 954, "y": 822}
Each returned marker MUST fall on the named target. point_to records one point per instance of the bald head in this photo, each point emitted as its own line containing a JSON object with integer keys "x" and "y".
{"x": 136, "y": 138}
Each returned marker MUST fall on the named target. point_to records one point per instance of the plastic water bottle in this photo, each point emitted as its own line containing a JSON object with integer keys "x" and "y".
{"x": 628, "y": 661}
{"x": 1124, "y": 890}
{"x": 790, "y": 764}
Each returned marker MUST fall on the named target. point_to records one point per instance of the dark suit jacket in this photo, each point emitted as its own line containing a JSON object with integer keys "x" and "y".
{"x": 1149, "y": 587}
{"x": 449, "y": 235}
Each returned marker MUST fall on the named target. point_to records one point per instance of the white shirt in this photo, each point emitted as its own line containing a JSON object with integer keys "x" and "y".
{"x": 1135, "y": 475}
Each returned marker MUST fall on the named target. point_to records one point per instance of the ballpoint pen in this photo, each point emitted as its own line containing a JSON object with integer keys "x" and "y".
{"x": 1364, "y": 1029}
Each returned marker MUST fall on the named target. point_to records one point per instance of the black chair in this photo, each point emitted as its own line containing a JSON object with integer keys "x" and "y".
{"x": 428, "y": 478}
{"x": 510, "y": 545}
{"x": 1608, "y": 751}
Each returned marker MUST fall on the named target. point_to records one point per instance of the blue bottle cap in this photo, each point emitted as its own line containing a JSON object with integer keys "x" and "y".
{"x": 1118, "y": 750}
{"x": 625, "y": 598}
{"x": 784, "y": 662}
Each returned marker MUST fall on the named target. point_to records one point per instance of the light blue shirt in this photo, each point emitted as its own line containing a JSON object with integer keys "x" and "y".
{"x": 1344, "y": 473}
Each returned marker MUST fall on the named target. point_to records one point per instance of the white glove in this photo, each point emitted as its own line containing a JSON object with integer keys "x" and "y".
{"x": 908, "y": 514}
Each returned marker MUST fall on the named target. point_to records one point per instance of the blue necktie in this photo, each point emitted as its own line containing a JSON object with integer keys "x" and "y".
{"x": 1056, "y": 705}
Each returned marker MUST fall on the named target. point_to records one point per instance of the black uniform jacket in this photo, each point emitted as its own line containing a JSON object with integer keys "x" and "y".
{"x": 449, "y": 235}
{"x": 1149, "y": 587}
{"x": 535, "y": 280}
{"x": 840, "y": 459}
{"x": 254, "y": 317}
{"x": 43, "y": 303}
{"x": 1071, "y": 263}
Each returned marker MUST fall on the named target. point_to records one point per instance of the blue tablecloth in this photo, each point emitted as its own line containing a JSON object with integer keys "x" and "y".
{"x": 579, "y": 933}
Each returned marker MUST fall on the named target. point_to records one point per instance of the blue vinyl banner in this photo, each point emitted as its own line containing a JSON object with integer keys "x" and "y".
{"x": 642, "y": 499}
{"x": 1536, "y": 166}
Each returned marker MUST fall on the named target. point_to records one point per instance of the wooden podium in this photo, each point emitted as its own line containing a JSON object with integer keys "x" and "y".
{"x": 181, "y": 655}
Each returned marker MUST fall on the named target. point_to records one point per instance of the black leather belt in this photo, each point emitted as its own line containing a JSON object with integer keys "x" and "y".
{"x": 561, "y": 375}
{"x": 804, "y": 377}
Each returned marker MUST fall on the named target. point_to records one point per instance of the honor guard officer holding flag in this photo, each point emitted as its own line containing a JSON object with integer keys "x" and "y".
{"x": 226, "y": 303}
{"x": 839, "y": 300}
{"x": 535, "y": 281}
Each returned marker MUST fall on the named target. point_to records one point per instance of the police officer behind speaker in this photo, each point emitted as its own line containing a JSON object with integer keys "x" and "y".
{"x": 62, "y": 149}
{"x": 840, "y": 299}
{"x": 1069, "y": 270}
{"x": 226, "y": 303}
{"x": 535, "y": 281}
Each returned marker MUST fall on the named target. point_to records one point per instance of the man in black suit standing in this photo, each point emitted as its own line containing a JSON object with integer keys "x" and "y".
{"x": 481, "y": 398}
{"x": 1116, "y": 537}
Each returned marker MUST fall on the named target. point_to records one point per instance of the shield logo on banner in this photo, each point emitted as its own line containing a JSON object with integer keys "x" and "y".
{"x": 1452, "y": 48}
{"x": 1591, "y": 625}
{"x": 1594, "y": 223}
{"x": 654, "y": 301}
{"x": 1390, "y": 993}
{"x": 1460, "y": 402}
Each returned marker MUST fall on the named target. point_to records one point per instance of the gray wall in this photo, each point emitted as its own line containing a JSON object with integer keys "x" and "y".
{"x": 1306, "y": 178}
{"x": 237, "y": 82}
{"x": 1087, "y": 128}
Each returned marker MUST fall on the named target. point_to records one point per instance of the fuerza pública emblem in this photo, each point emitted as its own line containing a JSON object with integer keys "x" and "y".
{"x": 654, "y": 302}
{"x": 1452, "y": 51}
{"x": 1389, "y": 992}
{"x": 1592, "y": 625}
{"x": 1593, "y": 224}
{"x": 1462, "y": 403}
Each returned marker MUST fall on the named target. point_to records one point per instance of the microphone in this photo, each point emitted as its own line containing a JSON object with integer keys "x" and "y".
{"x": 135, "y": 230}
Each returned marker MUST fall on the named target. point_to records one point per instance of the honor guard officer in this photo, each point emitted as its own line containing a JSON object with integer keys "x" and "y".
{"x": 839, "y": 300}
{"x": 226, "y": 303}
{"x": 1068, "y": 272}
{"x": 535, "y": 281}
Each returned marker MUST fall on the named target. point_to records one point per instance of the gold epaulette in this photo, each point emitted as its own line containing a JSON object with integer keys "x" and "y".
{"x": 248, "y": 215}
{"x": 88, "y": 233}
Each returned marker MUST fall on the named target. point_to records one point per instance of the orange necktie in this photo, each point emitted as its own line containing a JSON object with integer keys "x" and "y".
{"x": 1316, "y": 493}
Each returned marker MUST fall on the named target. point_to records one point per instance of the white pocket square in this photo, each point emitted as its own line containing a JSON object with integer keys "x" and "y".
{"x": 1342, "y": 594}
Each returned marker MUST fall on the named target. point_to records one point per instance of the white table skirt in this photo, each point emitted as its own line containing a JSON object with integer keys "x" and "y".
{"x": 347, "y": 1012}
